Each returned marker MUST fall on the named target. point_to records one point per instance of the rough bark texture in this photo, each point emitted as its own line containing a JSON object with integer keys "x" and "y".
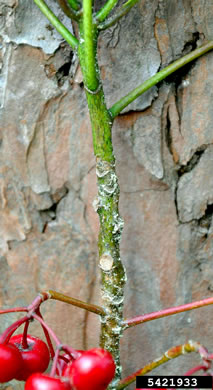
{"x": 164, "y": 149}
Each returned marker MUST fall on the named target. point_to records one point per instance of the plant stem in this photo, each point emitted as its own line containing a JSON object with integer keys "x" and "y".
{"x": 76, "y": 302}
{"x": 167, "y": 312}
{"x": 105, "y": 10}
{"x": 74, "y": 4}
{"x": 71, "y": 13}
{"x": 88, "y": 47}
{"x": 195, "y": 369}
{"x": 131, "y": 96}
{"x": 55, "y": 361}
{"x": 111, "y": 224}
{"x": 48, "y": 339}
{"x": 172, "y": 353}
{"x": 71, "y": 351}
{"x": 49, "y": 330}
{"x": 123, "y": 10}
{"x": 24, "y": 343}
{"x": 14, "y": 310}
{"x": 101, "y": 128}
{"x": 5, "y": 336}
{"x": 65, "y": 33}
{"x": 43, "y": 296}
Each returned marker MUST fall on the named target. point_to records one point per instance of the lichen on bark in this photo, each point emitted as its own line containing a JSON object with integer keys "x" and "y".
{"x": 113, "y": 274}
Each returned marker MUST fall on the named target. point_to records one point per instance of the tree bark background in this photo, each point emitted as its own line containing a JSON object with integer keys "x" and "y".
{"x": 164, "y": 149}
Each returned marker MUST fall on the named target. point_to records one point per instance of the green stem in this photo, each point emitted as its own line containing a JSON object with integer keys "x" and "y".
{"x": 172, "y": 353}
{"x": 123, "y": 10}
{"x": 105, "y": 10}
{"x": 65, "y": 33}
{"x": 111, "y": 224}
{"x": 112, "y": 271}
{"x": 101, "y": 127}
{"x": 74, "y": 4}
{"x": 71, "y": 13}
{"x": 87, "y": 49}
{"x": 131, "y": 96}
{"x": 167, "y": 312}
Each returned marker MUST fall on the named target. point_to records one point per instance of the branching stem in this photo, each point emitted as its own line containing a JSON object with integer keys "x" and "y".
{"x": 131, "y": 96}
{"x": 5, "y": 336}
{"x": 105, "y": 10}
{"x": 167, "y": 312}
{"x": 71, "y": 13}
{"x": 123, "y": 10}
{"x": 48, "y": 339}
{"x": 49, "y": 330}
{"x": 65, "y": 33}
{"x": 172, "y": 353}
{"x": 112, "y": 271}
{"x": 74, "y": 4}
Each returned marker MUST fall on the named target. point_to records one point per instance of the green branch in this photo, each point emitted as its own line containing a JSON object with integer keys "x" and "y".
{"x": 74, "y": 4}
{"x": 172, "y": 353}
{"x": 71, "y": 13}
{"x": 105, "y": 10}
{"x": 65, "y": 33}
{"x": 131, "y": 96}
{"x": 87, "y": 49}
{"x": 123, "y": 10}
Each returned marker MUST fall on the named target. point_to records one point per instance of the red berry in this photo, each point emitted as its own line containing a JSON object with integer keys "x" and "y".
{"x": 45, "y": 382}
{"x": 94, "y": 369}
{"x": 10, "y": 362}
{"x": 36, "y": 356}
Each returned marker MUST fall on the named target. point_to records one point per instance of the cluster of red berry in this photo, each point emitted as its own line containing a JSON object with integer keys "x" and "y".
{"x": 26, "y": 358}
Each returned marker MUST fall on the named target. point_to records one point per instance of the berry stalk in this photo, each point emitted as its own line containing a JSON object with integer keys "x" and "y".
{"x": 5, "y": 336}
{"x": 14, "y": 310}
{"x": 24, "y": 343}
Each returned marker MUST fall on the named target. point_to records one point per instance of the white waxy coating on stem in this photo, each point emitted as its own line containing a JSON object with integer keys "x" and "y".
{"x": 106, "y": 262}
{"x": 96, "y": 204}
